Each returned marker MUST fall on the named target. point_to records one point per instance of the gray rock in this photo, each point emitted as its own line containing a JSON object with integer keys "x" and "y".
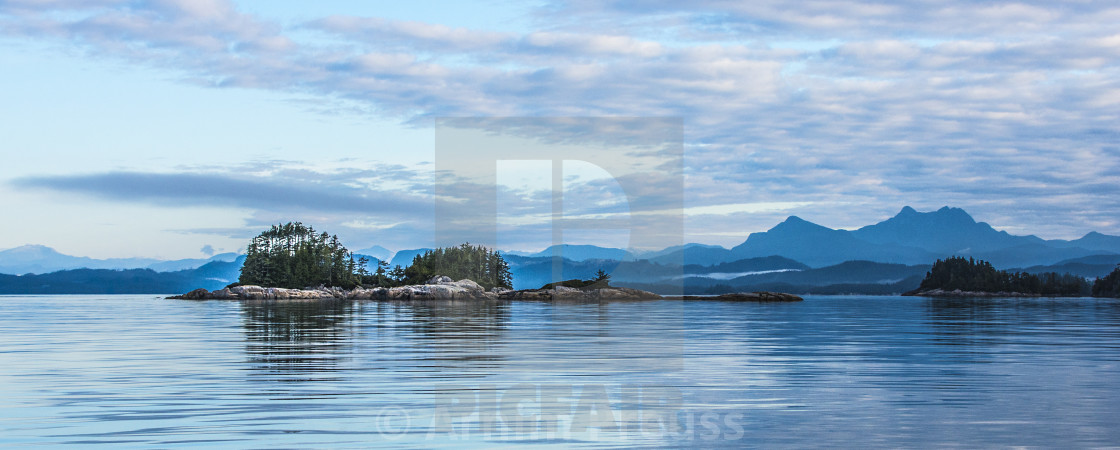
{"x": 572, "y": 294}
{"x": 438, "y": 288}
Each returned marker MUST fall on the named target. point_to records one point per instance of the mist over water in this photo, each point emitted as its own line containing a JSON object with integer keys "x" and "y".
{"x": 846, "y": 371}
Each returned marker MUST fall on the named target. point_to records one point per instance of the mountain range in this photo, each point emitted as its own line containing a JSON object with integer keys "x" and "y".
{"x": 795, "y": 254}
{"x": 910, "y": 237}
{"x": 38, "y": 259}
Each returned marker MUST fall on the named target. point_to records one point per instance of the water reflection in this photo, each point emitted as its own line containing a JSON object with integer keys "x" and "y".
{"x": 992, "y": 321}
{"x": 850, "y": 371}
{"x": 453, "y": 337}
{"x": 315, "y": 341}
{"x": 303, "y": 340}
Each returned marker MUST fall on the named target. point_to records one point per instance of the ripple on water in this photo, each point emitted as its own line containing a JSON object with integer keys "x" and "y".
{"x": 853, "y": 371}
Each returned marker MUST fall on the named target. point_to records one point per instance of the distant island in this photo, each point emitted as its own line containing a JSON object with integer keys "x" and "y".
{"x": 967, "y": 277}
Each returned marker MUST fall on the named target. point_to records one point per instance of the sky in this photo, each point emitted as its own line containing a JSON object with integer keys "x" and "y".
{"x": 176, "y": 128}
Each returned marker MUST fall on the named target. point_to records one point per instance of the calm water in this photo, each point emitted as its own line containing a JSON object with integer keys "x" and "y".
{"x": 830, "y": 371}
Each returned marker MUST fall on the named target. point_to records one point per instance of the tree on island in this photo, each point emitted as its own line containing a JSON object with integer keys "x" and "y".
{"x": 602, "y": 277}
{"x": 397, "y": 275}
{"x": 1109, "y": 286}
{"x": 294, "y": 256}
{"x": 475, "y": 262}
{"x": 979, "y": 276}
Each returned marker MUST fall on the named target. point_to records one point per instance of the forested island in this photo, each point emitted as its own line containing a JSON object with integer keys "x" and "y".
{"x": 294, "y": 256}
{"x": 959, "y": 276}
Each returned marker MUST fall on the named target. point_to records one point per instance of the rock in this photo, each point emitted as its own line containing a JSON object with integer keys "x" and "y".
{"x": 441, "y": 288}
{"x": 197, "y": 294}
{"x": 439, "y": 279}
{"x": 759, "y": 297}
{"x": 378, "y": 293}
{"x": 567, "y": 293}
{"x": 749, "y": 297}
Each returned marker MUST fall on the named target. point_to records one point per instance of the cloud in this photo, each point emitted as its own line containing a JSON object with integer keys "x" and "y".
{"x": 207, "y": 250}
{"x": 854, "y": 107}
{"x": 281, "y": 192}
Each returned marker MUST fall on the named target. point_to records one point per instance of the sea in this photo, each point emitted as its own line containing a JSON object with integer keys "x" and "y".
{"x": 832, "y": 371}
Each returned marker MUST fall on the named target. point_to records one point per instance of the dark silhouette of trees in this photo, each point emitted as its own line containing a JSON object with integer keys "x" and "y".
{"x": 486, "y": 267}
{"x": 979, "y": 276}
{"x": 294, "y": 256}
{"x": 1109, "y": 286}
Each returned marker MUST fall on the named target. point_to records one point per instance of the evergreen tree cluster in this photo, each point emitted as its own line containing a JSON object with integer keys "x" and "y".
{"x": 979, "y": 276}
{"x": 475, "y": 262}
{"x": 1109, "y": 286}
{"x": 295, "y": 256}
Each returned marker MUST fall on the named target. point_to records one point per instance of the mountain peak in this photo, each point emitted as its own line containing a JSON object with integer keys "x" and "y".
{"x": 797, "y": 224}
{"x": 956, "y": 213}
{"x": 32, "y": 249}
{"x": 945, "y": 213}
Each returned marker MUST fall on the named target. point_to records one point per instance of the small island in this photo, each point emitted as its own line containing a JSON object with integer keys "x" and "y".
{"x": 283, "y": 261}
{"x": 966, "y": 277}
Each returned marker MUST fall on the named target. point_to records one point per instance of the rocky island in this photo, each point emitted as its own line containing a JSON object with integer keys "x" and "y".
{"x": 444, "y": 288}
{"x": 437, "y": 288}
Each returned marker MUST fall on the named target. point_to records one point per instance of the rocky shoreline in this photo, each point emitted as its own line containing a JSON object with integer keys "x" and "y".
{"x": 438, "y": 288}
{"x": 444, "y": 288}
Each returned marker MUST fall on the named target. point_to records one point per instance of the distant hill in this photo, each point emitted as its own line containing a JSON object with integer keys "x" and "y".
{"x": 534, "y": 272}
{"x": 1092, "y": 241}
{"x": 376, "y": 252}
{"x": 698, "y": 254}
{"x": 945, "y": 231}
{"x": 586, "y": 252}
{"x": 213, "y": 275}
{"x": 913, "y": 237}
{"x": 403, "y": 258}
{"x": 851, "y": 277}
{"x": 186, "y": 264}
{"x": 762, "y": 264}
{"x": 820, "y": 246}
{"x": 859, "y": 272}
{"x": 40, "y": 259}
{"x": 1090, "y": 267}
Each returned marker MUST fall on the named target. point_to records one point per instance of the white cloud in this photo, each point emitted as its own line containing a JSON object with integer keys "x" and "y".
{"x": 917, "y": 103}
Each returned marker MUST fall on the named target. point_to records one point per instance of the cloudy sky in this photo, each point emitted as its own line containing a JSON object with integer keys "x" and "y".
{"x": 157, "y": 128}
